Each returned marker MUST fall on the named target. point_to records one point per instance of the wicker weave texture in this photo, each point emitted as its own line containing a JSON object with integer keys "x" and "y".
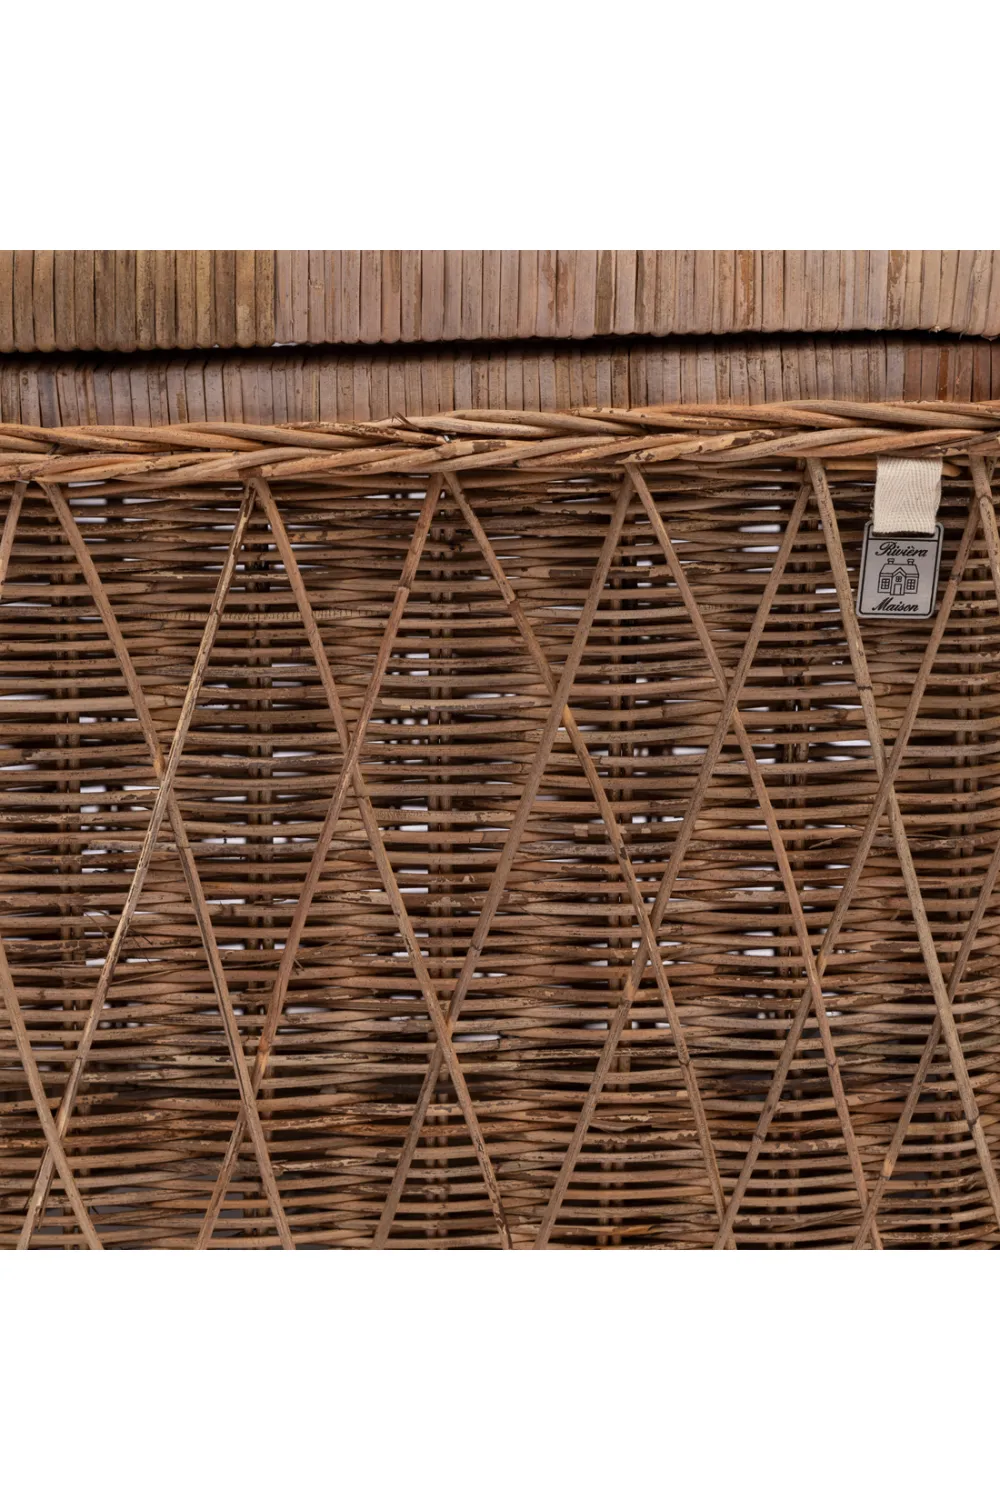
{"x": 343, "y": 812}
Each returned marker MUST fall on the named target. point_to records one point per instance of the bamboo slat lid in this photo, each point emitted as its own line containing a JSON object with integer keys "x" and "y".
{"x": 126, "y": 300}
{"x": 362, "y": 384}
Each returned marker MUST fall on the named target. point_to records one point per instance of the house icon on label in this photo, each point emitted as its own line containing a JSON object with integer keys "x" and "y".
{"x": 898, "y": 578}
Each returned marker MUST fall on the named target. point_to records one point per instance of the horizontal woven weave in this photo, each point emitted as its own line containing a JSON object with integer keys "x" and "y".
{"x": 345, "y": 806}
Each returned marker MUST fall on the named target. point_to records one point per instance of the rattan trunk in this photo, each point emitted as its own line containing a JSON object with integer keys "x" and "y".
{"x": 496, "y": 830}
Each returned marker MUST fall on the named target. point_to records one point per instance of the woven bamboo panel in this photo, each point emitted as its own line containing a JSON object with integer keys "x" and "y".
{"x": 347, "y": 795}
{"x": 323, "y": 386}
{"x": 194, "y": 299}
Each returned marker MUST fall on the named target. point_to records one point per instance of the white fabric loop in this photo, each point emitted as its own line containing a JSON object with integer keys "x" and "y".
{"x": 907, "y": 495}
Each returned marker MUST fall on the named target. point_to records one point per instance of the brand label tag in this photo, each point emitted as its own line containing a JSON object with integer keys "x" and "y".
{"x": 899, "y": 575}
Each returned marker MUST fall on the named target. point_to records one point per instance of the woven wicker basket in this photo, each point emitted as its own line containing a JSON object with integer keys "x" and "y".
{"x": 353, "y": 773}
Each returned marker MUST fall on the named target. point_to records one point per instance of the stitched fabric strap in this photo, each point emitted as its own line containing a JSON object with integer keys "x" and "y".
{"x": 907, "y": 495}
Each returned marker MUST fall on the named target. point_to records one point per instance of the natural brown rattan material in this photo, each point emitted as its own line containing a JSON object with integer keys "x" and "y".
{"x": 352, "y": 773}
